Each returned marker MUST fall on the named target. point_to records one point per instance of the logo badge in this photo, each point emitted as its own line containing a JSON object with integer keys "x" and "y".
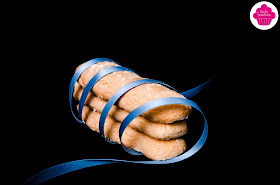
{"x": 264, "y": 15}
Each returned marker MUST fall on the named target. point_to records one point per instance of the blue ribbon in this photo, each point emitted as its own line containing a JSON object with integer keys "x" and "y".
{"x": 85, "y": 163}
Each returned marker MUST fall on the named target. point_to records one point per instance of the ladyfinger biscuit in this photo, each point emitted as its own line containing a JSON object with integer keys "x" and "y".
{"x": 107, "y": 86}
{"x": 152, "y": 148}
{"x": 154, "y": 130}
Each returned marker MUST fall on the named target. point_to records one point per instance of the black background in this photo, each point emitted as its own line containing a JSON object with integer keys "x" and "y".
{"x": 162, "y": 41}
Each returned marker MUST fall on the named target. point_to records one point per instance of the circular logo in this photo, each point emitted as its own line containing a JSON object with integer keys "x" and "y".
{"x": 264, "y": 15}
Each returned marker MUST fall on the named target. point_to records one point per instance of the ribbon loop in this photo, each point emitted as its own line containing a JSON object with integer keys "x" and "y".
{"x": 160, "y": 102}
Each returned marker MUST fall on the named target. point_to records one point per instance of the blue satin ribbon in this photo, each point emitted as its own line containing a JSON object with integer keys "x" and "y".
{"x": 194, "y": 91}
{"x": 85, "y": 163}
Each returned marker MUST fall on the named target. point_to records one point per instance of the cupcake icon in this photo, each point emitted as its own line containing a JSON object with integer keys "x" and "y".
{"x": 264, "y": 15}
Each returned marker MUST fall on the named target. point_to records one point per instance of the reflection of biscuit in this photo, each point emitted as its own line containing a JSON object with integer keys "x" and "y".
{"x": 154, "y": 130}
{"x": 107, "y": 86}
{"x": 150, "y": 147}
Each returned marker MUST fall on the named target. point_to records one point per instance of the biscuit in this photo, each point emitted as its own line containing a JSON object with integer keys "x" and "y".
{"x": 155, "y": 130}
{"x": 152, "y": 148}
{"x": 107, "y": 86}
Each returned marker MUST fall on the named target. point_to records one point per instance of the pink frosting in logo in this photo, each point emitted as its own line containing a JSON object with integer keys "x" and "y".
{"x": 264, "y": 15}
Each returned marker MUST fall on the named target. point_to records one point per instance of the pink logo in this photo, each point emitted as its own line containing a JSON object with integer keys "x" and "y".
{"x": 264, "y": 15}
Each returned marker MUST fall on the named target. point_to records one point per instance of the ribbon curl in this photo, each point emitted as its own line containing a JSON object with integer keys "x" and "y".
{"x": 67, "y": 167}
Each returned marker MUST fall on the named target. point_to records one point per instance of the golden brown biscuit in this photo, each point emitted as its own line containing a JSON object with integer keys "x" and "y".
{"x": 107, "y": 86}
{"x": 150, "y": 147}
{"x": 152, "y": 129}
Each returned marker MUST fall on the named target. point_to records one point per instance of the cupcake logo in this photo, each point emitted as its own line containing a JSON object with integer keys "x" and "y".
{"x": 264, "y": 15}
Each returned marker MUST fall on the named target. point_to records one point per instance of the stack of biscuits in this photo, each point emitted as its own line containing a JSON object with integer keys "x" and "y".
{"x": 156, "y": 133}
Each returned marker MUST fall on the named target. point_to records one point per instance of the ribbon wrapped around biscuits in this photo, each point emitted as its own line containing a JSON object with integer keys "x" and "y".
{"x": 145, "y": 116}
{"x": 155, "y": 133}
